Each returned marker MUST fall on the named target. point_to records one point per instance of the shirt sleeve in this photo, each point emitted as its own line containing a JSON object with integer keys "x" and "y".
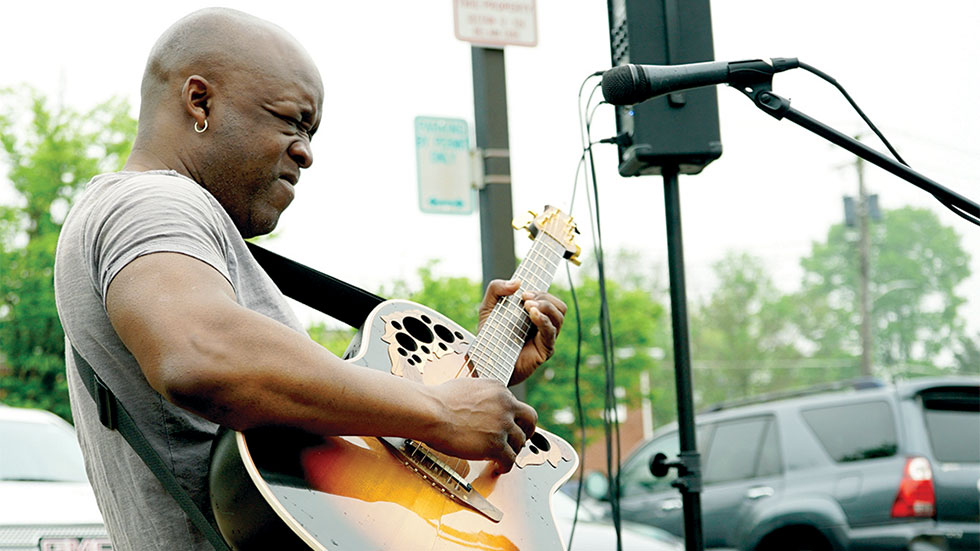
{"x": 151, "y": 213}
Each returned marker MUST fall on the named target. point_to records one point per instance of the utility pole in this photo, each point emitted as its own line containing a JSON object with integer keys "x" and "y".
{"x": 496, "y": 210}
{"x": 492, "y": 141}
{"x": 864, "y": 262}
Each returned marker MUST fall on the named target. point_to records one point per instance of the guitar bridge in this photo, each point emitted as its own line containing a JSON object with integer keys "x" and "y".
{"x": 441, "y": 475}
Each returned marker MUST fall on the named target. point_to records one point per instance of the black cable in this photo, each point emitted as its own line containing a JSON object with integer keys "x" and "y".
{"x": 578, "y": 325}
{"x": 847, "y": 96}
{"x": 580, "y": 411}
{"x": 610, "y": 420}
{"x": 612, "y": 452}
{"x": 957, "y": 210}
{"x": 969, "y": 217}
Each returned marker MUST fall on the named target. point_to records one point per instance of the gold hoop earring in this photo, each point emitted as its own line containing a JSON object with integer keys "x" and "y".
{"x": 201, "y": 130}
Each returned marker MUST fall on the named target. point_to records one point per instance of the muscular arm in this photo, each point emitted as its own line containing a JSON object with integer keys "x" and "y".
{"x": 202, "y": 351}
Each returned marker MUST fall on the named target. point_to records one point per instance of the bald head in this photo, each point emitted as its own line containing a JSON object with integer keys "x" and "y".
{"x": 221, "y": 45}
{"x": 232, "y": 102}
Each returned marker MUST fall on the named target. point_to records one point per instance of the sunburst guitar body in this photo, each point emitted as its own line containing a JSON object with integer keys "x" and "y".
{"x": 275, "y": 489}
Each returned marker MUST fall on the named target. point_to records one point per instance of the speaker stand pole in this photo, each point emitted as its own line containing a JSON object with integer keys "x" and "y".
{"x": 688, "y": 464}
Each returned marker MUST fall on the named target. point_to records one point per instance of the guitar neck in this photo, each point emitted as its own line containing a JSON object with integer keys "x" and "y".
{"x": 499, "y": 342}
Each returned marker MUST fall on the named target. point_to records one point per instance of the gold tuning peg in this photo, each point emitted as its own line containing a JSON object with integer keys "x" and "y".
{"x": 523, "y": 221}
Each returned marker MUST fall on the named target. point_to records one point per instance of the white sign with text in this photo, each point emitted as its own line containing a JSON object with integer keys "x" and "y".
{"x": 442, "y": 153}
{"x": 496, "y": 22}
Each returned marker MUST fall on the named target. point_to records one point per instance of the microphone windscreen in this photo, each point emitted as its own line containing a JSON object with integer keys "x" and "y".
{"x": 624, "y": 85}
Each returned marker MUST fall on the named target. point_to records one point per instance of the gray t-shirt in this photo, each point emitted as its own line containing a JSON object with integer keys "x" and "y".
{"x": 118, "y": 218}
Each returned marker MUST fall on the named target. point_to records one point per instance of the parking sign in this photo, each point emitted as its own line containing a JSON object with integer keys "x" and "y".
{"x": 442, "y": 148}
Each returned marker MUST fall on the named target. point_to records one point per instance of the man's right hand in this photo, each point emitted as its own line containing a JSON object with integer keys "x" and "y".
{"x": 482, "y": 419}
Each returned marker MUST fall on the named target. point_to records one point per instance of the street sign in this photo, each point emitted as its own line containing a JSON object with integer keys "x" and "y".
{"x": 496, "y": 22}
{"x": 442, "y": 154}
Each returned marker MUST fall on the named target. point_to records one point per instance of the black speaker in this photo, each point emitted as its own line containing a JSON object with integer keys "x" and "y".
{"x": 680, "y": 129}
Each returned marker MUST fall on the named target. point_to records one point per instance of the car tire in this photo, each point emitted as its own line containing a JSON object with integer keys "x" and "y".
{"x": 795, "y": 538}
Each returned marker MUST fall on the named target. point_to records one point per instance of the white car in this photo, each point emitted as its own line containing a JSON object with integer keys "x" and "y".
{"x": 594, "y": 533}
{"x": 46, "y": 503}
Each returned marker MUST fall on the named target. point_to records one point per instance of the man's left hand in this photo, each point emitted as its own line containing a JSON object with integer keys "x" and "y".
{"x": 547, "y": 314}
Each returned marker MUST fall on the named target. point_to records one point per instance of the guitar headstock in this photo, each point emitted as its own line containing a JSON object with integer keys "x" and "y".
{"x": 556, "y": 224}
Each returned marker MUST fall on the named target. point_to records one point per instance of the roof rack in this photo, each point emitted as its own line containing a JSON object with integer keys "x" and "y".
{"x": 860, "y": 383}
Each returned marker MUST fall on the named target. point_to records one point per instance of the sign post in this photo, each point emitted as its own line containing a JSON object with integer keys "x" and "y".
{"x": 490, "y": 25}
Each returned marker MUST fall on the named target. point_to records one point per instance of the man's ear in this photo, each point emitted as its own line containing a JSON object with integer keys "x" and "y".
{"x": 197, "y": 95}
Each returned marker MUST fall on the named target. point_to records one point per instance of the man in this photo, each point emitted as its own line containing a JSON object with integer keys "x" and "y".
{"x": 157, "y": 291}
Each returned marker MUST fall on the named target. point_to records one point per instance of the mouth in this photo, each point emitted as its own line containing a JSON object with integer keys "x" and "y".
{"x": 288, "y": 184}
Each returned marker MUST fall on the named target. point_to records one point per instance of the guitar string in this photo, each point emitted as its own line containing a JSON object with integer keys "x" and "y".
{"x": 532, "y": 273}
{"x": 539, "y": 272}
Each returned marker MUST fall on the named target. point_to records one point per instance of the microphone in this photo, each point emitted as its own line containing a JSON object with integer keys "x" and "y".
{"x": 630, "y": 84}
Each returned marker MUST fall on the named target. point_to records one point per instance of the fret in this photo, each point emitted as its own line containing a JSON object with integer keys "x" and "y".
{"x": 498, "y": 345}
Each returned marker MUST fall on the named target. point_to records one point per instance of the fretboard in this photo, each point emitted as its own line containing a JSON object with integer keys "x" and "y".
{"x": 500, "y": 340}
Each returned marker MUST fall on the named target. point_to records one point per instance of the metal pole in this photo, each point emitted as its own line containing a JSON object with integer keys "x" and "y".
{"x": 689, "y": 462}
{"x": 496, "y": 211}
{"x": 864, "y": 253}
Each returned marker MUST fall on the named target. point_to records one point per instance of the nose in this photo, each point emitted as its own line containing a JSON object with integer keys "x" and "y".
{"x": 302, "y": 152}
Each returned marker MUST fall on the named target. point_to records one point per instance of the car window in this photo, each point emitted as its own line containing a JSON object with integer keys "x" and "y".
{"x": 32, "y": 451}
{"x": 636, "y": 478}
{"x": 855, "y": 431}
{"x": 770, "y": 460}
{"x": 953, "y": 423}
{"x": 740, "y": 450}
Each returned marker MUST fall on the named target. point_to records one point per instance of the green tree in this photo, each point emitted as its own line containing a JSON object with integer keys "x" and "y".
{"x": 640, "y": 340}
{"x": 50, "y": 153}
{"x": 742, "y": 341}
{"x": 457, "y": 298}
{"x": 334, "y": 339}
{"x": 916, "y": 265}
{"x": 968, "y": 355}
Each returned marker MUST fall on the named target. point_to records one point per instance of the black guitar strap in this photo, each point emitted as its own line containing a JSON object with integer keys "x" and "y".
{"x": 325, "y": 293}
{"x": 338, "y": 299}
{"x": 114, "y": 416}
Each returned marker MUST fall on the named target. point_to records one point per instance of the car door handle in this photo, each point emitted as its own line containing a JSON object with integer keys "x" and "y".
{"x": 671, "y": 504}
{"x": 758, "y": 492}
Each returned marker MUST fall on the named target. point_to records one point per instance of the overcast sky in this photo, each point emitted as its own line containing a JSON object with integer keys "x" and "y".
{"x": 776, "y": 189}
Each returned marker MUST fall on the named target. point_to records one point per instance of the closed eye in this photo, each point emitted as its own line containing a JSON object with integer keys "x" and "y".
{"x": 295, "y": 122}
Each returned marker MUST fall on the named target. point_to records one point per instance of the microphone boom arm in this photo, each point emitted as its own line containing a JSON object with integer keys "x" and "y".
{"x": 758, "y": 87}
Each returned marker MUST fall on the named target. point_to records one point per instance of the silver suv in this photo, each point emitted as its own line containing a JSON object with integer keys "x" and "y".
{"x": 876, "y": 467}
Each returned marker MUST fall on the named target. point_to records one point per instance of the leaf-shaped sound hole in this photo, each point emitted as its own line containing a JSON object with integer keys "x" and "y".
{"x": 418, "y": 329}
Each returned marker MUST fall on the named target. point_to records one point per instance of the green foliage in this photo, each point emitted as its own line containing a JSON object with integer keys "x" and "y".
{"x": 50, "y": 152}
{"x": 968, "y": 356}
{"x": 916, "y": 264}
{"x": 640, "y": 339}
{"x": 457, "y": 298}
{"x": 333, "y": 339}
{"x": 741, "y": 340}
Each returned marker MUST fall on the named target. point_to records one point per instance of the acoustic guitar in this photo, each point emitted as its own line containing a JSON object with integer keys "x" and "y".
{"x": 275, "y": 489}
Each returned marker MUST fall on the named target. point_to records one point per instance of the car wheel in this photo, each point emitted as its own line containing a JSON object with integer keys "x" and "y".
{"x": 796, "y": 538}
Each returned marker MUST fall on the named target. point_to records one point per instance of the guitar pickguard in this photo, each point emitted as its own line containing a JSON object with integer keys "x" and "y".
{"x": 417, "y": 339}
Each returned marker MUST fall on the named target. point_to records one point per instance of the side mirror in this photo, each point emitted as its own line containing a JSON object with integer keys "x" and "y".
{"x": 597, "y": 486}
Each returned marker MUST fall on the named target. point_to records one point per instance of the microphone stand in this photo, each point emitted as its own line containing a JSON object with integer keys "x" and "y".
{"x": 758, "y": 87}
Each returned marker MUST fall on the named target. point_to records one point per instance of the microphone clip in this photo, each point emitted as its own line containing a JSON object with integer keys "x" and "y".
{"x": 754, "y": 79}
